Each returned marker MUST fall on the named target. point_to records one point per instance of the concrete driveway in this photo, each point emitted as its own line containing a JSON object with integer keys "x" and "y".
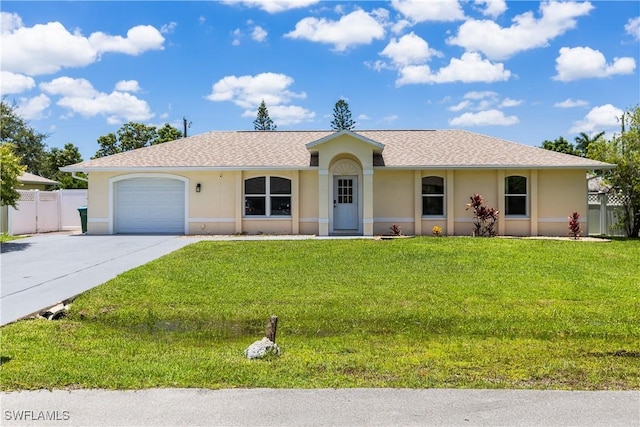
{"x": 39, "y": 271}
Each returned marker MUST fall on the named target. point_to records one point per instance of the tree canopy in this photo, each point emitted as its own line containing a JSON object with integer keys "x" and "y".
{"x": 342, "y": 117}
{"x": 133, "y": 135}
{"x": 583, "y": 141}
{"x": 560, "y": 145}
{"x": 27, "y": 143}
{"x": 263, "y": 121}
{"x": 9, "y": 172}
{"x": 623, "y": 150}
{"x": 57, "y": 158}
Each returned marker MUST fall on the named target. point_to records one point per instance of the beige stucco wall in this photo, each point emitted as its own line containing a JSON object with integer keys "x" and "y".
{"x": 395, "y": 197}
{"x": 561, "y": 192}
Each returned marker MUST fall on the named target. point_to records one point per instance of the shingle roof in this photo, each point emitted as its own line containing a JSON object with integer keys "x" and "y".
{"x": 29, "y": 178}
{"x": 287, "y": 150}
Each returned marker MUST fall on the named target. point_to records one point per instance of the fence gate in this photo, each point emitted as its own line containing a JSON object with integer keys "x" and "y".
{"x": 46, "y": 211}
{"x": 602, "y": 214}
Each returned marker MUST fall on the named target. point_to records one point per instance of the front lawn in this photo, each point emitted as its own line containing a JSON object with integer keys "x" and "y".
{"x": 421, "y": 312}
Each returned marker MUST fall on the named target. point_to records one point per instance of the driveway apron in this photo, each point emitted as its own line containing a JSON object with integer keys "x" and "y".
{"x": 40, "y": 271}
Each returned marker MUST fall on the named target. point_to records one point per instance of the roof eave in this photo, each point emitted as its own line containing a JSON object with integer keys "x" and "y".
{"x": 378, "y": 147}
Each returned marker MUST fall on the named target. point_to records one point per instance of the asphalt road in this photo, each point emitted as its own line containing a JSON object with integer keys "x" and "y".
{"x": 42, "y": 270}
{"x": 323, "y": 407}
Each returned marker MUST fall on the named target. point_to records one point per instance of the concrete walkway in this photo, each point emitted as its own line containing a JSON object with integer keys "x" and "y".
{"x": 41, "y": 270}
{"x": 343, "y": 407}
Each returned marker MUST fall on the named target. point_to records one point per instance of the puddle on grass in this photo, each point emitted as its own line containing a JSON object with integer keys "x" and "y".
{"x": 619, "y": 353}
{"x": 231, "y": 328}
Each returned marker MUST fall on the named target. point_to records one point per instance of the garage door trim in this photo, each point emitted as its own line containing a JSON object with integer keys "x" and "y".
{"x": 112, "y": 191}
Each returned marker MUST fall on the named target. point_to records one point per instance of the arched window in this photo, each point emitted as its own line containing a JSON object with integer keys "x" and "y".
{"x": 515, "y": 195}
{"x": 267, "y": 196}
{"x": 433, "y": 196}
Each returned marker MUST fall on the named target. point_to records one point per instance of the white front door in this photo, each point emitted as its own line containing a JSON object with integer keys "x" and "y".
{"x": 345, "y": 203}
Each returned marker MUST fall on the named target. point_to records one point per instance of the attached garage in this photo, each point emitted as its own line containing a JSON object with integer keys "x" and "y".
{"x": 149, "y": 206}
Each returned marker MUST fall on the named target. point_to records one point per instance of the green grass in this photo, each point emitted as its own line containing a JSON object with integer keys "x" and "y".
{"x": 4, "y": 237}
{"x": 421, "y": 312}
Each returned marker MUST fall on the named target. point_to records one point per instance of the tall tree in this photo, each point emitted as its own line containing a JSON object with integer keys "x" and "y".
{"x": 624, "y": 151}
{"x": 583, "y": 141}
{"x": 133, "y": 135}
{"x": 560, "y": 145}
{"x": 167, "y": 133}
{"x": 342, "y": 117}
{"x": 263, "y": 121}
{"x": 28, "y": 144}
{"x": 10, "y": 170}
{"x": 57, "y": 158}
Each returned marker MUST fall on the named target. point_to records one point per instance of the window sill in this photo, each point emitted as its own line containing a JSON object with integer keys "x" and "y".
{"x": 432, "y": 217}
{"x": 517, "y": 217}
{"x": 267, "y": 218}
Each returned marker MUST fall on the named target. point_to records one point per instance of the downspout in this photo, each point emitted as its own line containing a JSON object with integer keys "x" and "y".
{"x": 79, "y": 178}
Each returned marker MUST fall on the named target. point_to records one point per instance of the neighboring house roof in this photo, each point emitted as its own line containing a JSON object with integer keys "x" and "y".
{"x": 596, "y": 184}
{"x": 29, "y": 178}
{"x": 291, "y": 150}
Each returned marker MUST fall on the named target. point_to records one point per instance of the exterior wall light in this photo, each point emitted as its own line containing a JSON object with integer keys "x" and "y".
{"x": 198, "y": 187}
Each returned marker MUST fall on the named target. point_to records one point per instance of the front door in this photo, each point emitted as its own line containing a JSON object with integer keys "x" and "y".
{"x": 345, "y": 203}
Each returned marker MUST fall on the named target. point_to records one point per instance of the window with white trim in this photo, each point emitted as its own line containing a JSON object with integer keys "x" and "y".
{"x": 433, "y": 196}
{"x": 267, "y": 196}
{"x": 515, "y": 196}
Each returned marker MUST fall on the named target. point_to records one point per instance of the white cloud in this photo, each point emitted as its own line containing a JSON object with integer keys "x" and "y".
{"x": 9, "y": 22}
{"x": 476, "y": 95}
{"x": 33, "y": 108}
{"x": 168, "y": 28}
{"x": 492, "y": 8}
{"x": 598, "y": 119}
{"x": 469, "y": 68}
{"x": 248, "y": 91}
{"x": 390, "y": 118}
{"x": 14, "y": 83}
{"x": 508, "y": 102}
{"x": 525, "y": 33}
{"x": 284, "y": 115}
{"x": 363, "y": 117}
{"x": 24, "y": 52}
{"x": 409, "y": 49}
{"x": 583, "y": 63}
{"x": 273, "y": 6}
{"x": 484, "y": 118}
{"x": 417, "y": 11}
{"x": 462, "y": 105}
{"x": 79, "y": 96}
{"x": 570, "y": 103}
{"x": 128, "y": 86}
{"x": 483, "y": 100}
{"x": 139, "y": 39}
{"x": 633, "y": 27}
{"x": 356, "y": 28}
{"x": 259, "y": 34}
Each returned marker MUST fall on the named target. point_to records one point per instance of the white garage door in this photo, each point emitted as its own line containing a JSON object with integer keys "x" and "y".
{"x": 149, "y": 205}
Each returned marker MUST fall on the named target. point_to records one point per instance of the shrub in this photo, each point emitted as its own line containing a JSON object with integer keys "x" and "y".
{"x": 484, "y": 218}
{"x": 396, "y": 230}
{"x": 575, "y": 230}
{"x": 436, "y": 231}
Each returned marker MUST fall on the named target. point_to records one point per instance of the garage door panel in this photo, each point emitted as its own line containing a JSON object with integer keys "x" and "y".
{"x": 150, "y": 205}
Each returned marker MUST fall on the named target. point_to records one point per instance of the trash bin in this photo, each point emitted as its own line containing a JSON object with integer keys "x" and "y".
{"x": 83, "y": 218}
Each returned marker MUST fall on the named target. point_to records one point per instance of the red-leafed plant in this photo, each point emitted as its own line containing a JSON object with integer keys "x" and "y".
{"x": 396, "y": 230}
{"x": 575, "y": 230}
{"x": 484, "y": 218}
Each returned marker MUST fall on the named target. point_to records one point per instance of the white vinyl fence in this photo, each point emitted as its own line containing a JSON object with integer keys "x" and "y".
{"x": 602, "y": 214}
{"x": 46, "y": 211}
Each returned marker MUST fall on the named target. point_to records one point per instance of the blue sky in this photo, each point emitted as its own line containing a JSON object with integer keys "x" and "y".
{"x": 518, "y": 70}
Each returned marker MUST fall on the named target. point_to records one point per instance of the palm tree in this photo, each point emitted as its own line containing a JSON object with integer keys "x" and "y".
{"x": 583, "y": 141}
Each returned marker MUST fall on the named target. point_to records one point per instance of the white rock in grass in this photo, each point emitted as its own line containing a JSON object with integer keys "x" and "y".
{"x": 260, "y": 349}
